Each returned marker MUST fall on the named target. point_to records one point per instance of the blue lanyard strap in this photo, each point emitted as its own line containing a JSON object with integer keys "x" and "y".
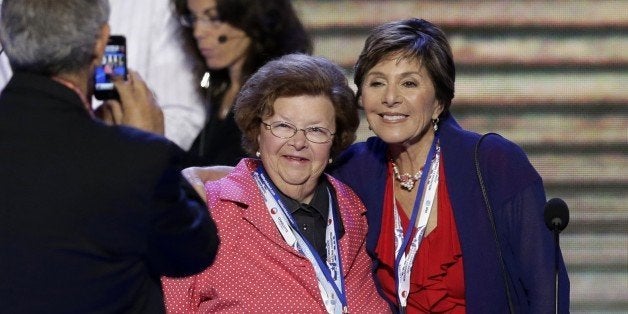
{"x": 403, "y": 277}
{"x": 329, "y": 274}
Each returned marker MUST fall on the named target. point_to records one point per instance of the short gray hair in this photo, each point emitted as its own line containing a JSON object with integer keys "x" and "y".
{"x": 50, "y": 37}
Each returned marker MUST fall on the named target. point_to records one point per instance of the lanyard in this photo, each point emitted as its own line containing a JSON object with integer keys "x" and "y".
{"x": 403, "y": 261}
{"x": 329, "y": 275}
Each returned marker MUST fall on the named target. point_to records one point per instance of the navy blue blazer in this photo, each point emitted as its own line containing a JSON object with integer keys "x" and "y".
{"x": 517, "y": 198}
{"x": 91, "y": 216}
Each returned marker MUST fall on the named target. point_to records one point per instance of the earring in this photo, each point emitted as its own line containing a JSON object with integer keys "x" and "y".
{"x": 331, "y": 160}
{"x": 258, "y": 154}
{"x": 435, "y": 124}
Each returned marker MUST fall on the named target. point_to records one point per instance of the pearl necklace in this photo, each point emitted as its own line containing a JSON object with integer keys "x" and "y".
{"x": 406, "y": 180}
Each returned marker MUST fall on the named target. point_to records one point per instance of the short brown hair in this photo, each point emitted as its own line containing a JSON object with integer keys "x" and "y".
{"x": 296, "y": 75}
{"x": 414, "y": 39}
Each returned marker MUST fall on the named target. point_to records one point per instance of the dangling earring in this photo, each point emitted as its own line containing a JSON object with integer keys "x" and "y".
{"x": 258, "y": 154}
{"x": 435, "y": 124}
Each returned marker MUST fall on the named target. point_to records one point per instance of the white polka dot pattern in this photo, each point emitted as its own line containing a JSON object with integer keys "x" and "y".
{"x": 256, "y": 271}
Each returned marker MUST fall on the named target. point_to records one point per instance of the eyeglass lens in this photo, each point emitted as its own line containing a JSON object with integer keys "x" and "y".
{"x": 314, "y": 134}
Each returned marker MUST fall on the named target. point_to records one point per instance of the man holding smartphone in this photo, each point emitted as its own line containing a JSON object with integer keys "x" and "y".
{"x": 91, "y": 215}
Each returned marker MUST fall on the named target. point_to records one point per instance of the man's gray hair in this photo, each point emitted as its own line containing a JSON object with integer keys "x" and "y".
{"x": 50, "y": 37}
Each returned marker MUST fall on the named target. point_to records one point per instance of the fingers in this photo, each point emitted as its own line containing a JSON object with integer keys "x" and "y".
{"x": 198, "y": 175}
{"x": 191, "y": 176}
{"x": 110, "y": 112}
{"x": 138, "y": 106}
{"x": 132, "y": 88}
{"x": 103, "y": 114}
{"x": 114, "y": 109}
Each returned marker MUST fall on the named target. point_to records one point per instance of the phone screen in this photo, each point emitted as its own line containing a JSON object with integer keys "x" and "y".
{"x": 113, "y": 64}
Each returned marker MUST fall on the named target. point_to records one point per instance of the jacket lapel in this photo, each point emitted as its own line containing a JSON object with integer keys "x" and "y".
{"x": 242, "y": 189}
{"x": 355, "y": 232}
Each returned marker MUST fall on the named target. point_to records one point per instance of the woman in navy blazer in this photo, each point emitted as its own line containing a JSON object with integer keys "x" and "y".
{"x": 405, "y": 77}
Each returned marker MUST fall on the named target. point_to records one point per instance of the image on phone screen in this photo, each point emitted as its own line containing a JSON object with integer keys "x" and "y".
{"x": 113, "y": 64}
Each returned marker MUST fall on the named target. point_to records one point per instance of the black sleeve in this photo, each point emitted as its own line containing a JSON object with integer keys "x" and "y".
{"x": 183, "y": 238}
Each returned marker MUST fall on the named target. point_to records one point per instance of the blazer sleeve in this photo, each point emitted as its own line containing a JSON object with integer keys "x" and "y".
{"x": 519, "y": 203}
{"x": 533, "y": 249}
{"x": 183, "y": 238}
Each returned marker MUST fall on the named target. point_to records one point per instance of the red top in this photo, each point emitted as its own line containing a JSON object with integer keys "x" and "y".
{"x": 437, "y": 278}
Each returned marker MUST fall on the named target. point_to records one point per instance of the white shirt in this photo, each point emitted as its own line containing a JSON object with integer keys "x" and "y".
{"x": 155, "y": 52}
{"x": 5, "y": 69}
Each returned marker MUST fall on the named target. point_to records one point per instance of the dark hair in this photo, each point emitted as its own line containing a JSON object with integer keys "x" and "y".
{"x": 272, "y": 25}
{"x": 51, "y": 37}
{"x": 296, "y": 75}
{"x": 414, "y": 39}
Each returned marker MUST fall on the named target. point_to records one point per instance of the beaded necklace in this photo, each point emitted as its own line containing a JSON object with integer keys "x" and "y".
{"x": 406, "y": 180}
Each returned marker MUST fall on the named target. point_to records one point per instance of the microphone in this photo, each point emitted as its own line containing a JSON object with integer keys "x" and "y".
{"x": 556, "y": 219}
{"x": 223, "y": 38}
{"x": 556, "y": 214}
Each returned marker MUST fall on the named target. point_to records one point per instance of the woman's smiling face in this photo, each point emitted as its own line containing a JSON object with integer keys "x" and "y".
{"x": 399, "y": 100}
{"x": 295, "y": 164}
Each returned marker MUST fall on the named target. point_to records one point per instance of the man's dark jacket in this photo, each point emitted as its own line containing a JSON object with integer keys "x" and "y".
{"x": 90, "y": 215}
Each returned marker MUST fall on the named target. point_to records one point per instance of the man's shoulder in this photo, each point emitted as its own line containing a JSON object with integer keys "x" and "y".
{"x": 133, "y": 139}
{"x": 127, "y": 145}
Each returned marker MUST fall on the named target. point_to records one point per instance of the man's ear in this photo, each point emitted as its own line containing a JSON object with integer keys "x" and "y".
{"x": 101, "y": 43}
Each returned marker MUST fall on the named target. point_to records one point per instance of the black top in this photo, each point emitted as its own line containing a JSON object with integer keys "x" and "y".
{"x": 312, "y": 218}
{"x": 219, "y": 143}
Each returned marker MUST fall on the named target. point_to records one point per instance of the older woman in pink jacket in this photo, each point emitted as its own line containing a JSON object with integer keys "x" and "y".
{"x": 292, "y": 238}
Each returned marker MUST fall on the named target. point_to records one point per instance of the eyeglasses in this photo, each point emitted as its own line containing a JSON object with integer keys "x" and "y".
{"x": 314, "y": 134}
{"x": 189, "y": 19}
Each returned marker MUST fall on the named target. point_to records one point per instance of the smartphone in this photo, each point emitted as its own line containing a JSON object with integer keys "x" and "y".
{"x": 113, "y": 64}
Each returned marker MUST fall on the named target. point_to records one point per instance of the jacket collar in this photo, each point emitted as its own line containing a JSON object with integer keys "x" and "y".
{"x": 237, "y": 187}
{"x": 44, "y": 92}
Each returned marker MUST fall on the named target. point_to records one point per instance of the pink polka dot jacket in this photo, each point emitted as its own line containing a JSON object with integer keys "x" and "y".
{"x": 255, "y": 271}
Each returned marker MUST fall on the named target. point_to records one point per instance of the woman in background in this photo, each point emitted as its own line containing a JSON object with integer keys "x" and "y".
{"x": 230, "y": 40}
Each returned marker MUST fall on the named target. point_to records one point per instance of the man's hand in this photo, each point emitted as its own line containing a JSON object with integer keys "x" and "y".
{"x": 196, "y": 176}
{"x": 137, "y": 106}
